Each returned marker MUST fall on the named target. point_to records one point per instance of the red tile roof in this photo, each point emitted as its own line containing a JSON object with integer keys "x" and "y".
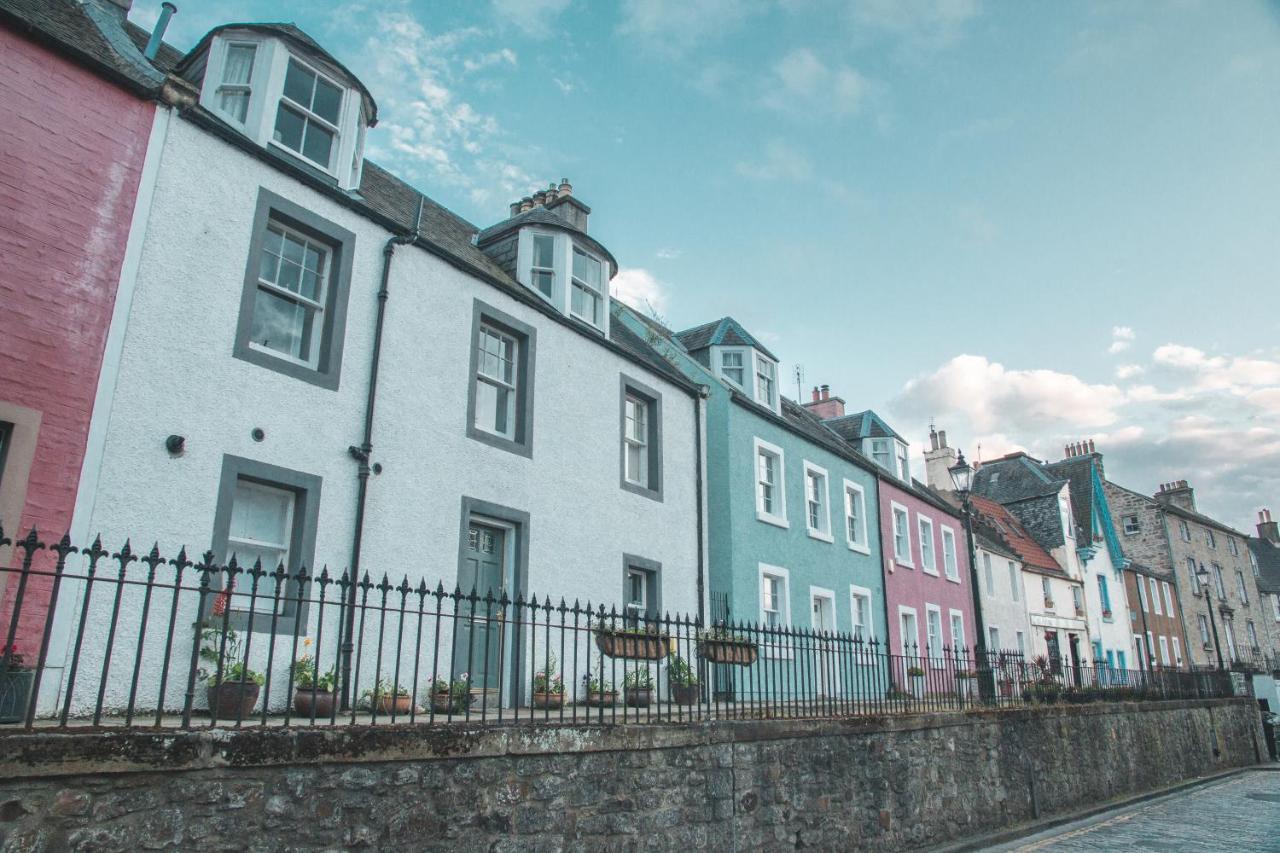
{"x": 996, "y": 519}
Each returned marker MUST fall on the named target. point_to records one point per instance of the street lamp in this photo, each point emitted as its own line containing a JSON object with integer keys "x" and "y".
{"x": 1202, "y": 576}
{"x": 962, "y": 479}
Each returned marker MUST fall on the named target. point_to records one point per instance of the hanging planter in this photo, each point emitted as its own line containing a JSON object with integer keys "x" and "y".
{"x": 728, "y": 649}
{"x": 632, "y": 644}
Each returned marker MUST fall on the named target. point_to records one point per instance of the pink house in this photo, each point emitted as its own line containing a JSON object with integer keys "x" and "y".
{"x": 77, "y": 97}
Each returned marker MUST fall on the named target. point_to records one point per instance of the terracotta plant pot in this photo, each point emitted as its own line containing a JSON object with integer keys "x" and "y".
{"x": 548, "y": 700}
{"x": 684, "y": 695}
{"x": 444, "y": 703}
{"x": 401, "y": 704}
{"x": 605, "y": 699}
{"x": 305, "y": 703}
{"x": 633, "y": 646}
{"x": 639, "y": 697}
{"x": 233, "y": 700}
{"x": 737, "y": 652}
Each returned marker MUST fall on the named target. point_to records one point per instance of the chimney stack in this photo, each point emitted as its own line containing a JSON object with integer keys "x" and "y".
{"x": 1178, "y": 493}
{"x": 823, "y": 406}
{"x": 526, "y": 204}
{"x": 560, "y": 198}
{"x": 1267, "y": 529}
{"x": 938, "y": 460}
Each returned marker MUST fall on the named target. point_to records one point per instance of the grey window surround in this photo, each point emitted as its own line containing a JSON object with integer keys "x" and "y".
{"x": 627, "y": 385}
{"x": 473, "y": 508}
{"x": 328, "y": 371}
{"x": 527, "y": 337}
{"x": 302, "y": 545}
{"x": 653, "y": 587}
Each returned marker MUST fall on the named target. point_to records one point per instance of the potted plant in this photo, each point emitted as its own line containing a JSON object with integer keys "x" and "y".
{"x": 233, "y": 693}
{"x": 720, "y": 646}
{"x": 312, "y": 689}
{"x": 15, "y": 686}
{"x": 682, "y": 681}
{"x": 450, "y": 697}
{"x": 637, "y": 687}
{"x": 387, "y": 697}
{"x": 548, "y": 686}
{"x": 601, "y": 693}
{"x": 916, "y": 675}
{"x": 632, "y": 643}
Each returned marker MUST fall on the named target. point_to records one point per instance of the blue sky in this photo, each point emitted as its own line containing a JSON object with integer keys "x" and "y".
{"x": 1032, "y": 222}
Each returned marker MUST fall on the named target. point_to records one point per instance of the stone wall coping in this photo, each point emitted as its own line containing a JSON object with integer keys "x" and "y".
{"x": 39, "y": 753}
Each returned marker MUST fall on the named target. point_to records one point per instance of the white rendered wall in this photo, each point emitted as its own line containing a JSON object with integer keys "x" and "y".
{"x": 999, "y": 609}
{"x": 177, "y": 375}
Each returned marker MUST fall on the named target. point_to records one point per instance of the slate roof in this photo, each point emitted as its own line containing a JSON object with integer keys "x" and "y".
{"x": 723, "y": 332}
{"x": 86, "y": 33}
{"x": 1268, "y": 557}
{"x": 1016, "y": 477}
{"x": 1002, "y": 523}
{"x": 1200, "y": 517}
{"x": 1077, "y": 471}
{"x": 545, "y": 217}
{"x": 167, "y": 57}
{"x": 860, "y": 425}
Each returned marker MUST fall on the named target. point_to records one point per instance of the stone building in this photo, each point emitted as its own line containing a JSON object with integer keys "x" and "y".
{"x": 1199, "y": 543}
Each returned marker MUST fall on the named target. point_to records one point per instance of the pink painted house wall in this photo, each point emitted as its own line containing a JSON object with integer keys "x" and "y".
{"x": 71, "y": 153}
{"x": 909, "y": 585}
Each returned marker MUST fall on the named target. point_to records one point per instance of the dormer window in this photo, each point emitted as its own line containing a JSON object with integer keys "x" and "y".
{"x": 586, "y": 299}
{"x": 904, "y": 469}
{"x": 542, "y": 274}
{"x": 297, "y": 102}
{"x": 880, "y": 453}
{"x": 308, "y": 116}
{"x": 733, "y": 367}
{"x": 237, "y": 72}
{"x": 571, "y": 278}
{"x": 766, "y": 382}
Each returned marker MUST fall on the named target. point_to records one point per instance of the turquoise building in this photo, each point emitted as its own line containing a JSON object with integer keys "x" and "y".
{"x": 792, "y": 515}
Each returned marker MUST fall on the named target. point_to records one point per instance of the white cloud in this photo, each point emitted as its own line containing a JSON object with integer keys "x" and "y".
{"x": 1121, "y": 339}
{"x": 675, "y": 26}
{"x": 639, "y": 288}
{"x": 536, "y": 18}
{"x": 1233, "y": 374}
{"x": 564, "y": 85}
{"x": 667, "y": 253}
{"x": 802, "y": 83}
{"x": 780, "y": 162}
{"x": 1128, "y": 371}
{"x": 505, "y": 56}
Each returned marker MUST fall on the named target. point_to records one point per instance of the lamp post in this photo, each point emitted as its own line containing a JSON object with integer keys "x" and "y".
{"x": 962, "y": 478}
{"x": 1202, "y": 575}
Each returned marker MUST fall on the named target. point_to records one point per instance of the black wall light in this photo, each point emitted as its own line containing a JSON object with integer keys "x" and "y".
{"x": 175, "y": 444}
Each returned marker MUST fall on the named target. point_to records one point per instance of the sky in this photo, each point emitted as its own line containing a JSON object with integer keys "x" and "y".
{"x": 1030, "y": 223}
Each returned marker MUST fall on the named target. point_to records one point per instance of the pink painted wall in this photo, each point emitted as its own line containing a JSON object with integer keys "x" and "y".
{"x": 911, "y": 585}
{"x": 71, "y": 153}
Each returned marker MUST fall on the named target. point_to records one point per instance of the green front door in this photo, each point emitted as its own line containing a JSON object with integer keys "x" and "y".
{"x": 480, "y": 647}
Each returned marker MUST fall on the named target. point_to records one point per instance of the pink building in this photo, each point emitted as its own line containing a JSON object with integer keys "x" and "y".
{"x": 76, "y": 94}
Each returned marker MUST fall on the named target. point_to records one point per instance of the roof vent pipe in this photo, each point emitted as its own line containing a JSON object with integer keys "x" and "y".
{"x": 167, "y": 11}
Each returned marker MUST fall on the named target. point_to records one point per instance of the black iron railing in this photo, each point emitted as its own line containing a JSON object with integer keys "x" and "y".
{"x": 144, "y": 640}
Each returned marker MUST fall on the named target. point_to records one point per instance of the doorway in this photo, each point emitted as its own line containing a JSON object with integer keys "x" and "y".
{"x": 482, "y": 649}
{"x": 823, "y": 615}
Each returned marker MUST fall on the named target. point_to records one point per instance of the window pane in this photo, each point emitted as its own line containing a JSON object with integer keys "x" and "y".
{"x": 544, "y": 282}
{"x": 635, "y": 463}
{"x": 327, "y": 102}
{"x": 318, "y": 144}
{"x": 234, "y": 103}
{"x": 298, "y": 84}
{"x": 493, "y": 408}
{"x": 544, "y": 251}
{"x": 586, "y": 269}
{"x": 282, "y": 325}
{"x": 289, "y": 127}
{"x": 239, "y": 65}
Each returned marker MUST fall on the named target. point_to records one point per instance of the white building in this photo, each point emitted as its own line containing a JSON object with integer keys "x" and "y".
{"x": 518, "y": 441}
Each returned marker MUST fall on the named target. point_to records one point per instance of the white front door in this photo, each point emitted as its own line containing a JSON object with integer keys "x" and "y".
{"x": 824, "y": 622}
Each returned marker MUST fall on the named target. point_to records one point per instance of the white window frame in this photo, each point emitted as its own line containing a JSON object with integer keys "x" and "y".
{"x": 1219, "y": 584}
{"x": 530, "y": 268}
{"x": 602, "y": 294}
{"x": 1021, "y": 640}
{"x": 771, "y": 402}
{"x": 638, "y": 609}
{"x": 988, "y": 573}
{"x": 778, "y": 649}
{"x": 830, "y": 596}
{"x": 902, "y": 637}
{"x": 950, "y": 570}
{"x": 898, "y": 557}
{"x": 933, "y": 654}
{"x": 1015, "y": 581}
{"x": 959, "y": 645}
{"x": 993, "y": 638}
{"x": 1232, "y": 546}
{"x": 317, "y": 305}
{"x": 1177, "y": 651}
{"x": 818, "y": 473}
{"x": 247, "y": 88}
{"x": 778, "y": 518}
{"x": 1165, "y": 660}
{"x": 1251, "y": 631}
{"x": 1184, "y": 530}
{"x": 1210, "y": 539}
{"x": 901, "y": 461}
{"x": 748, "y": 362}
{"x": 336, "y": 129}
{"x": 867, "y": 627}
{"x": 929, "y": 557}
{"x": 1195, "y": 579}
{"x": 1155, "y": 597}
{"x": 1168, "y": 598}
{"x": 1142, "y": 595}
{"x": 1046, "y": 588}
{"x": 887, "y": 444}
{"x": 855, "y": 498}
{"x": 513, "y": 388}
{"x": 1206, "y": 638}
{"x": 643, "y": 415}
{"x": 1242, "y": 588}
{"x": 1135, "y": 529}
{"x": 263, "y": 603}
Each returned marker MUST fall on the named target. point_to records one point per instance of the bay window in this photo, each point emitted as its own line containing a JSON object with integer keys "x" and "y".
{"x": 308, "y": 115}
{"x": 234, "y": 89}
{"x": 586, "y": 299}
{"x": 766, "y": 382}
{"x": 542, "y": 272}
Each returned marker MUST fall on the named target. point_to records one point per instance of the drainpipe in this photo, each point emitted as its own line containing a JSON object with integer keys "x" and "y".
{"x": 362, "y": 453}
{"x": 703, "y": 394}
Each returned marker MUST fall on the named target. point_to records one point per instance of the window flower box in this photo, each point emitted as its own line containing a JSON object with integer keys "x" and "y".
{"x": 631, "y": 644}
{"x": 727, "y": 649}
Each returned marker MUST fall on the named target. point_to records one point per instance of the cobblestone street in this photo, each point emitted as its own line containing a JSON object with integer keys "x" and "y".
{"x": 1241, "y": 813}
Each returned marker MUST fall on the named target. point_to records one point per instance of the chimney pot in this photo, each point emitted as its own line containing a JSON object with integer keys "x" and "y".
{"x": 515, "y": 208}
{"x": 816, "y": 395}
{"x": 942, "y": 438}
{"x": 565, "y": 187}
{"x": 826, "y": 392}
{"x": 539, "y": 198}
{"x": 526, "y": 204}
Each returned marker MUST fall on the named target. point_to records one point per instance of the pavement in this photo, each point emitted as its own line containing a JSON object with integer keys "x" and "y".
{"x": 1239, "y": 813}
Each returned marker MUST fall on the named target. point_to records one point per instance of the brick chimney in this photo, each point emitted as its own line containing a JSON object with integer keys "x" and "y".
{"x": 1267, "y": 528}
{"x": 1177, "y": 493}
{"x": 938, "y": 460}
{"x": 559, "y": 199}
{"x": 1084, "y": 447}
{"x": 823, "y": 405}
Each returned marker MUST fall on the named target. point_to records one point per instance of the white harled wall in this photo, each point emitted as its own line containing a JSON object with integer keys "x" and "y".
{"x": 178, "y": 376}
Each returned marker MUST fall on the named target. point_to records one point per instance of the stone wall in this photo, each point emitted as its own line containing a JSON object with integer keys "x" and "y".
{"x": 895, "y": 783}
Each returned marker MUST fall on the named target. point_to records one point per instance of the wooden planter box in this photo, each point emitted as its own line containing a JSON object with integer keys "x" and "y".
{"x": 738, "y": 652}
{"x": 633, "y": 646}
